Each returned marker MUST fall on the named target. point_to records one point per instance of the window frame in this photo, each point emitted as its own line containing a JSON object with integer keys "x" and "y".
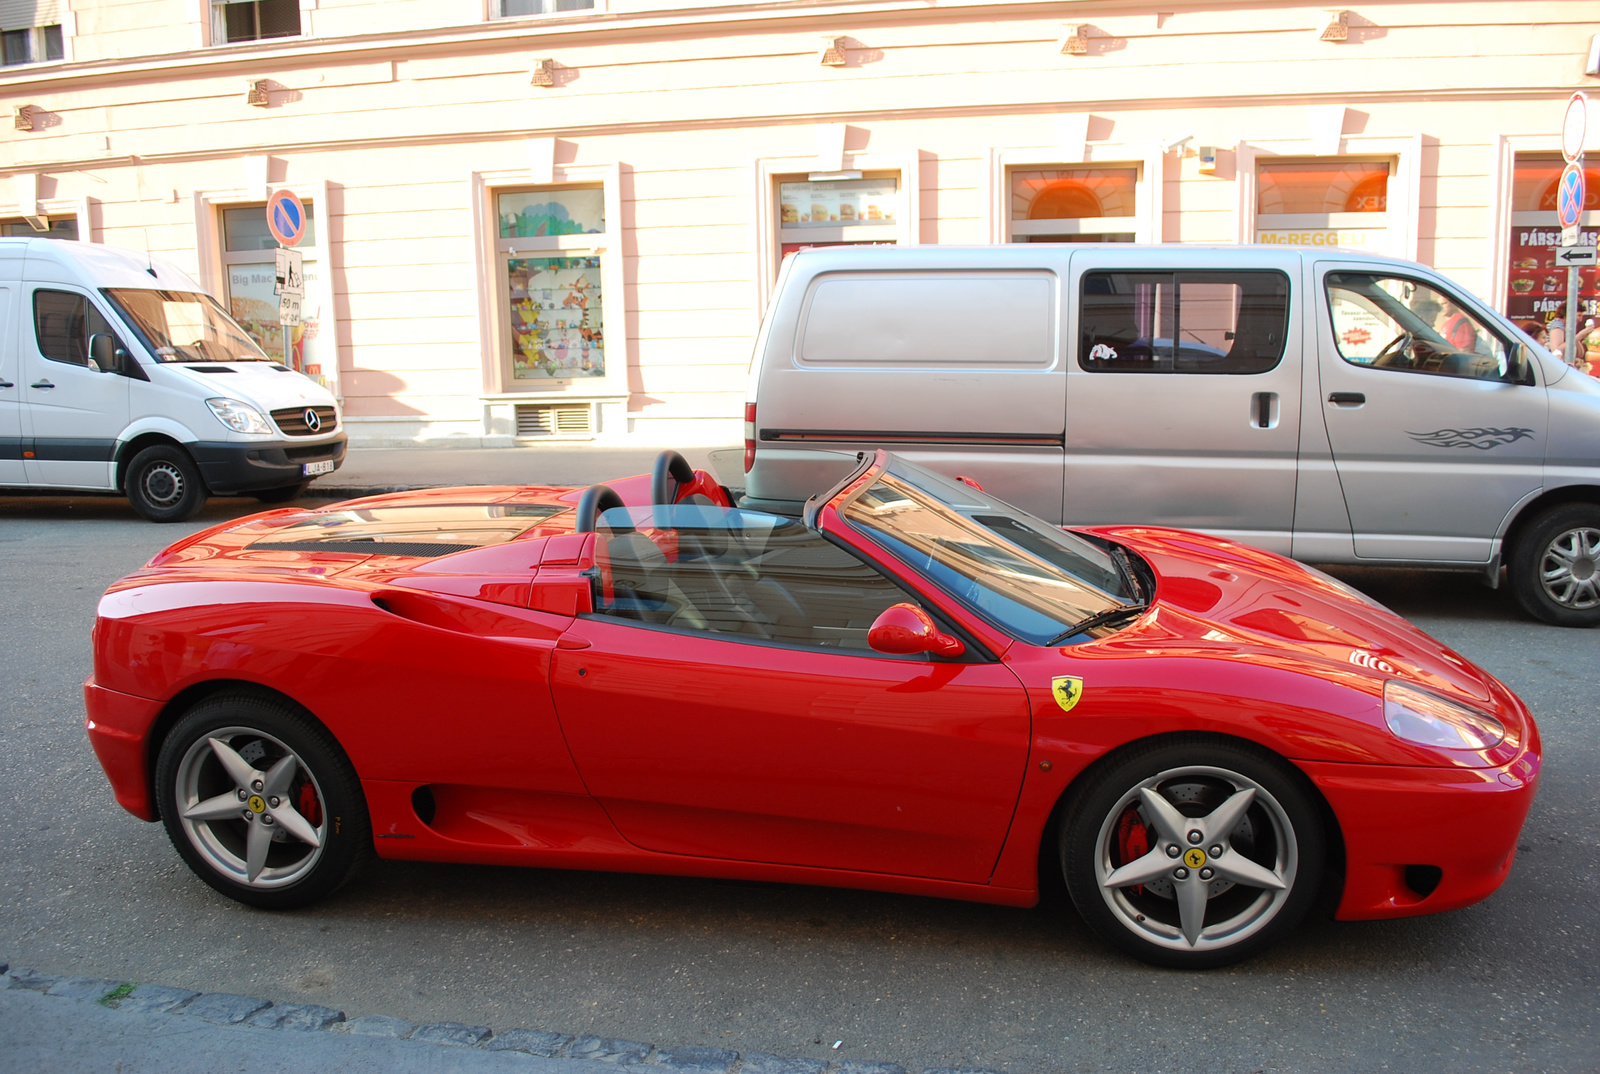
{"x": 1405, "y": 185}
{"x": 494, "y": 12}
{"x": 219, "y": 23}
{"x": 1149, "y": 159}
{"x": 38, "y": 42}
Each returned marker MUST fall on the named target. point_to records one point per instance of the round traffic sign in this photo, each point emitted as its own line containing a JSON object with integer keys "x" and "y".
{"x": 1575, "y": 127}
{"x": 286, "y": 218}
{"x": 1569, "y": 196}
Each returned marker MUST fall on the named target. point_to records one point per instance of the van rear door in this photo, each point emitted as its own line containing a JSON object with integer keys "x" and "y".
{"x": 1183, "y": 393}
{"x": 1433, "y": 446}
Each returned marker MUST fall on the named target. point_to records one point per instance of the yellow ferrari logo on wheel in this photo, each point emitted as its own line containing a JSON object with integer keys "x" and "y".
{"x": 1194, "y": 858}
{"x": 1067, "y": 690}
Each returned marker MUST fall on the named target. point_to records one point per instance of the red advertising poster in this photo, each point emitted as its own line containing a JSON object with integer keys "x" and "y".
{"x": 1538, "y": 286}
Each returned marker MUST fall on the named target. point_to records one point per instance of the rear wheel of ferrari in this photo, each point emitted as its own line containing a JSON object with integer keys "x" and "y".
{"x": 260, "y": 801}
{"x": 1193, "y": 853}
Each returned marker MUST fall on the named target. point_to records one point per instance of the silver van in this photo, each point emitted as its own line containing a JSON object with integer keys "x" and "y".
{"x": 1331, "y": 406}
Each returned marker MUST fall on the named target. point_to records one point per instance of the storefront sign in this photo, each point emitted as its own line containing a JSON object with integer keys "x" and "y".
{"x": 1538, "y": 284}
{"x": 1370, "y": 239}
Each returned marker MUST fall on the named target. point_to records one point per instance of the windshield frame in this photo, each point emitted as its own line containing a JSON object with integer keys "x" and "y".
{"x": 1009, "y": 585}
{"x": 220, "y": 328}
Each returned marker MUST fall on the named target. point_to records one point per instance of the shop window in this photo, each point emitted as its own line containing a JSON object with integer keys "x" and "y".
{"x": 1339, "y": 203}
{"x": 1200, "y": 322}
{"x": 515, "y": 9}
{"x": 254, "y": 20}
{"x": 1073, "y": 204}
{"x": 838, "y": 212}
{"x": 248, "y": 253}
{"x": 1536, "y": 286}
{"x": 62, "y": 227}
{"x": 33, "y": 44}
{"x": 1394, "y": 323}
{"x": 550, "y": 250}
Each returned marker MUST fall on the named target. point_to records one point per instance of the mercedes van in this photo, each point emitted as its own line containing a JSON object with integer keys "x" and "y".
{"x": 1328, "y": 405}
{"x": 118, "y": 373}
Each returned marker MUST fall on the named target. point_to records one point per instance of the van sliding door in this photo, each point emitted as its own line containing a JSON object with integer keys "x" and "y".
{"x": 1183, "y": 397}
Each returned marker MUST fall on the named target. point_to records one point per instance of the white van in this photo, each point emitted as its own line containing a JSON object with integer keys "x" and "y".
{"x": 1331, "y": 406}
{"x": 119, "y": 374}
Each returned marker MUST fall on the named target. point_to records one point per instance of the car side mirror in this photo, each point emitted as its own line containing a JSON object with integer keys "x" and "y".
{"x": 1519, "y": 365}
{"x": 103, "y": 353}
{"x": 905, "y": 630}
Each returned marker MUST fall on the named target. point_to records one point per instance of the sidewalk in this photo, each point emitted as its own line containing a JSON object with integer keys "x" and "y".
{"x": 369, "y": 471}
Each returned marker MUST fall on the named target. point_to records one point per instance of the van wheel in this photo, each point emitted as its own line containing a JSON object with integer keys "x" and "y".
{"x": 1555, "y": 568}
{"x": 281, "y": 494}
{"x": 164, "y": 485}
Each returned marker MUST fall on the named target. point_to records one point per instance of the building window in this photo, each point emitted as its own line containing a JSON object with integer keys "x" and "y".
{"x": 254, "y": 20}
{"x": 248, "y": 252}
{"x": 62, "y": 227}
{"x": 1537, "y": 286}
{"x": 35, "y": 44}
{"x": 549, "y": 251}
{"x": 1339, "y": 203}
{"x": 516, "y": 9}
{"x": 838, "y": 212}
{"x": 1073, "y": 204}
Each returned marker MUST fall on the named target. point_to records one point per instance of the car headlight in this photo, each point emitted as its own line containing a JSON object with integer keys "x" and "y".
{"x": 1423, "y": 717}
{"x": 240, "y": 417}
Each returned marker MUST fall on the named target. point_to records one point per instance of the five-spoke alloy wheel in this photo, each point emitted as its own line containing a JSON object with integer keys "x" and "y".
{"x": 1193, "y": 853}
{"x": 260, "y": 802}
{"x": 1555, "y": 566}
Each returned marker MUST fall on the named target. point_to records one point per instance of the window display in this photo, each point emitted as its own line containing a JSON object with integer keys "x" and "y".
{"x": 248, "y": 249}
{"x": 1340, "y": 203}
{"x": 555, "y": 317}
{"x": 1074, "y": 204}
{"x": 1536, "y": 287}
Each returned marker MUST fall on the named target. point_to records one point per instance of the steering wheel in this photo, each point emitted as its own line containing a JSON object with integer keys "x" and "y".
{"x": 1402, "y": 345}
{"x": 595, "y": 501}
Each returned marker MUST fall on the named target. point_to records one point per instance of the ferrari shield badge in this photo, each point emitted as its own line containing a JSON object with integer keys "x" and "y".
{"x": 1067, "y": 690}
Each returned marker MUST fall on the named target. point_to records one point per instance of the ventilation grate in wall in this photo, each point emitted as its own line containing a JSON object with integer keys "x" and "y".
{"x": 566, "y": 419}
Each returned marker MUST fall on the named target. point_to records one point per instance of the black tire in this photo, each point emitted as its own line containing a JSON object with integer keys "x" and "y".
{"x": 319, "y": 796}
{"x": 1555, "y": 566}
{"x": 164, "y": 485}
{"x": 1278, "y": 836}
{"x": 281, "y": 494}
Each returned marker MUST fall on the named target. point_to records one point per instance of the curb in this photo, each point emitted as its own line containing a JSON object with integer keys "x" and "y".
{"x": 227, "y": 1009}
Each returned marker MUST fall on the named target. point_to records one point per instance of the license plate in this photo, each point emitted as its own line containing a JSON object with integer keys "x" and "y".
{"x": 311, "y": 469}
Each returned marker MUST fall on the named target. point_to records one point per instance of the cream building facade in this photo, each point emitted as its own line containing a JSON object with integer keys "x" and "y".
{"x": 530, "y": 223}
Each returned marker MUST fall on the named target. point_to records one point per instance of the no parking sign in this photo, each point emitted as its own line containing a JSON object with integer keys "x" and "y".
{"x": 286, "y": 218}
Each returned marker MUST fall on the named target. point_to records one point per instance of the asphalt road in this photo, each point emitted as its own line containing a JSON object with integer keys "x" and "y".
{"x": 1512, "y": 984}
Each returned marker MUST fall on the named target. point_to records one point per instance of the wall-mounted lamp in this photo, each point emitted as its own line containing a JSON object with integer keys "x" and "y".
{"x": 1076, "y": 43}
{"x": 256, "y": 94}
{"x": 1178, "y": 143}
{"x": 1208, "y": 160}
{"x": 544, "y": 73}
{"x": 1592, "y": 65}
{"x": 1335, "y": 26}
{"x": 38, "y": 223}
{"x": 22, "y": 116}
{"x": 833, "y": 52}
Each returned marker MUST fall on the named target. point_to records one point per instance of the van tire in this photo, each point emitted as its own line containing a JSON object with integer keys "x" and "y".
{"x": 1554, "y": 566}
{"x": 164, "y": 485}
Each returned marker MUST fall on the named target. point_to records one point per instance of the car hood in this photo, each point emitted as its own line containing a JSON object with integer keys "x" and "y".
{"x": 1217, "y": 594}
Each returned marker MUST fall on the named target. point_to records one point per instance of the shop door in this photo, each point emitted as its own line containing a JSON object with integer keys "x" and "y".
{"x": 1433, "y": 447}
{"x": 76, "y": 412}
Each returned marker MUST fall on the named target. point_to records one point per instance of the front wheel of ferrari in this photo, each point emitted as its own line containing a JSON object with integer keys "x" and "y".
{"x": 261, "y": 802}
{"x": 1193, "y": 854}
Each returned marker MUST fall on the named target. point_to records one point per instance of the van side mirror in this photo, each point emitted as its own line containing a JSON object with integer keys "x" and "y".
{"x": 103, "y": 352}
{"x": 1519, "y": 365}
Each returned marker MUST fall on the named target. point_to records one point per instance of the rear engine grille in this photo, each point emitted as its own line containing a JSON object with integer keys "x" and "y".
{"x": 292, "y": 420}
{"x": 562, "y": 419}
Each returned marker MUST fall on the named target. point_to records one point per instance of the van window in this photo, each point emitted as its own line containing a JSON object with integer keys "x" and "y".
{"x": 996, "y": 320}
{"x": 1390, "y": 322}
{"x": 63, "y": 323}
{"x": 1184, "y": 322}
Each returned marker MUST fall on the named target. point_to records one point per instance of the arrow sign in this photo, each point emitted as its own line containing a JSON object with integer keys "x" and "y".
{"x": 1577, "y": 255}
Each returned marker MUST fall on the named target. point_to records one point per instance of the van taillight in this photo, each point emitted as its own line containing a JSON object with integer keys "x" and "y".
{"x": 749, "y": 436}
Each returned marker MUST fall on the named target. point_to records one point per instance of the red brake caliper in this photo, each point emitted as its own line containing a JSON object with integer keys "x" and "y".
{"x": 309, "y": 807}
{"x": 1133, "y": 842}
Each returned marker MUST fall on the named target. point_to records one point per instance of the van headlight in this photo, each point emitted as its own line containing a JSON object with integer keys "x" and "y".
{"x": 1423, "y": 717}
{"x": 240, "y": 417}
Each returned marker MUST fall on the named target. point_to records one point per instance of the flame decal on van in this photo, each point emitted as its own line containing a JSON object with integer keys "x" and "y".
{"x": 1482, "y": 439}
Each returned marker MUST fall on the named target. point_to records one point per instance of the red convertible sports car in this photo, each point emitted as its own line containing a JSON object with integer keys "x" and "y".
{"x": 914, "y": 688}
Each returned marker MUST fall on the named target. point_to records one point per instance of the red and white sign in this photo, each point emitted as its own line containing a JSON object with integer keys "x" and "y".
{"x": 286, "y": 217}
{"x": 1575, "y": 128}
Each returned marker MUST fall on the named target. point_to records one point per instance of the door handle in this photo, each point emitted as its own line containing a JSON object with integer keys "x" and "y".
{"x": 6, "y": 384}
{"x": 1263, "y": 408}
{"x": 1347, "y": 398}
{"x": 42, "y": 384}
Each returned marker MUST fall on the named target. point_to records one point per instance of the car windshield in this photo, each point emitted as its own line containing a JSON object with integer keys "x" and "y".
{"x": 1027, "y": 577}
{"x": 181, "y": 326}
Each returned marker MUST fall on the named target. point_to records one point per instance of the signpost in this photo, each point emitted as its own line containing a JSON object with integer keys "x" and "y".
{"x": 286, "y": 219}
{"x": 1571, "y": 196}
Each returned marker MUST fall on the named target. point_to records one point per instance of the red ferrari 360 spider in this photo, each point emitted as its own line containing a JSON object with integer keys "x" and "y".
{"x": 915, "y": 688}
